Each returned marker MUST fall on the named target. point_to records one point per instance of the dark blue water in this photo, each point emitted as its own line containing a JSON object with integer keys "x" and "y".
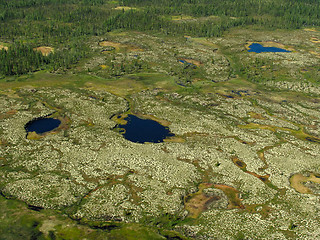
{"x": 258, "y": 48}
{"x": 42, "y": 125}
{"x": 144, "y": 130}
{"x": 183, "y": 61}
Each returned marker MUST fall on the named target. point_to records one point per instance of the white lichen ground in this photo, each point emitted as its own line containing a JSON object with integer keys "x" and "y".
{"x": 103, "y": 176}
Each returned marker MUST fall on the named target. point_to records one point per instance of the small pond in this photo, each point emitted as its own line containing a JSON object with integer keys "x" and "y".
{"x": 183, "y": 61}
{"x": 187, "y": 63}
{"x": 258, "y": 48}
{"x": 144, "y": 130}
{"x": 42, "y": 125}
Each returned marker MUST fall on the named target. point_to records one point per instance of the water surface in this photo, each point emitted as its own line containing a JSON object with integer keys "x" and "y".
{"x": 42, "y": 125}
{"x": 258, "y": 48}
{"x": 144, "y": 130}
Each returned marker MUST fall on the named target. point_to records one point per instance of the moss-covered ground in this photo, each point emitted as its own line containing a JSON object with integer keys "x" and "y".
{"x": 244, "y": 162}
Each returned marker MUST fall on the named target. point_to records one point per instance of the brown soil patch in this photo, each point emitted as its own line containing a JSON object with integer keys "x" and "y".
{"x": 198, "y": 202}
{"x": 33, "y": 136}
{"x": 8, "y": 114}
{"x": 315, "y": 40}
{"x": 242, "y": 165}
{"x": 110, "y": 44}
{"x": 310, "y": 30}
{"x": 44, "y": 50}
{"x": 195, "y": 134}
{"x": 315, "y": 53}
{"x": 297, "y": 180}
{"x": 125, "y": 8}
{"x": 118, "y": 46}
{"x": 174, "y": 139}
{"x": 263, "y": 210}
{"x": 3, "y": 47}
{"x": 232, "y": 195}
{"x": 181, "y": 17}
{"x": 256, "y": 115}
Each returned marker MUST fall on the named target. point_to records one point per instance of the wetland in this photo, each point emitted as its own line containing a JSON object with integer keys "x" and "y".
{"x": 155, "y": 136}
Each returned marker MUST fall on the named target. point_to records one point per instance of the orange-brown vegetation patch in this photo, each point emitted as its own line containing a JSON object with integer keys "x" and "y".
{"x": 3, "y": 47}
{"x": 181, "y": 17}
{"x": 198, "y": 202}
{"x": 297, "y": 182}
{"x": 194, "y": 134}
{"x": 110, "y": 44}
{"x": 33, "y": 136}
{"x": 232, "y": 195}
{"x": 243, "y": 166}
{"x": 8, "y": 114}
{"x": 92, "y": 191}
{"x": 120, "y": 119}
{"x": 118, "y": 46}
{"x": 3, "y": 161}
{"x": 260, "y": 154}
{"x": 124, "y": 8}
{"x": 65, "y": 122}
{"x": 3, "y": 142}
{"x": 263, "y": 159}
{"x": 263, "y": 210}
{"x": 310, "y": 29}
{"x": 256, "y": 115}
{"x": 315, "y": 40}
{"x": 174, "y": 139}
{"x": 12, "y": 112}
{"x": 317, "y": 54}
{"x": 263, "y": 178}
{"x": 44, "y": 50}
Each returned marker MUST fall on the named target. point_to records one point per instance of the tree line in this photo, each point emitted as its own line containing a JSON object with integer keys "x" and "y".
{"x": 22, "y": 58}
{"x": 65, "y": 23}
{"x": 62, "y": 19}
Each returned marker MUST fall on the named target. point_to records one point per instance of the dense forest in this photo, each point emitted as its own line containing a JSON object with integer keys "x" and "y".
{"x": 63, "y": 22}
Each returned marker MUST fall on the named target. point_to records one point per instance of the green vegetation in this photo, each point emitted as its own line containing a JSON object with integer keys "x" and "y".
{"x": 244, "y": 162}
{"x": 68, "y": 24}
{"x": 20, "y": 221}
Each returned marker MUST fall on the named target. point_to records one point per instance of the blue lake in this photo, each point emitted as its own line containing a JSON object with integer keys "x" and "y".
{"x": 144, "y": 130}
{"x": 42, "y": 125}
{"x": 258, "y": 48}
{"x": 185, "y": 62}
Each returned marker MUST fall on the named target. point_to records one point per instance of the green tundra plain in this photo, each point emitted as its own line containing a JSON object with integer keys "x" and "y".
{"x": 245, "y": 159}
